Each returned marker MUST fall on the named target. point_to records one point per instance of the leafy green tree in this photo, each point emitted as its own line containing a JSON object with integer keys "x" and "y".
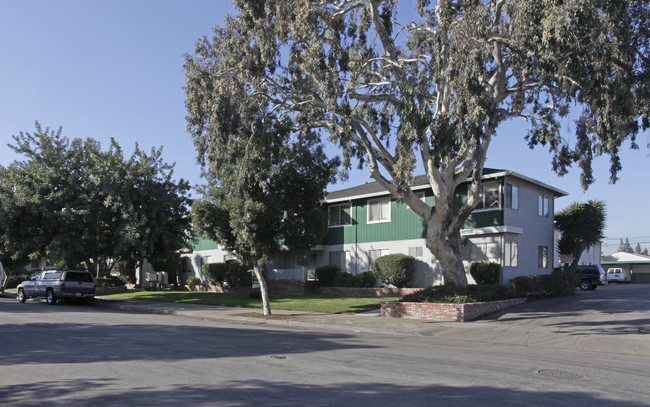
{"x": 393, "y": 86}
{"x": 265, "y": 186}
{"x": 581, "y": 226}
{"x": 71, "y": 201}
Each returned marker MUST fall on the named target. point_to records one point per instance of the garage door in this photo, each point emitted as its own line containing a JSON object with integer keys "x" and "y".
{"x": 641, "y": 278}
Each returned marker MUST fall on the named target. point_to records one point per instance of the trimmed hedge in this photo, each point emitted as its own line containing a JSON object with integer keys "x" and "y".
{"x": 395, "y": 269}
{"x": 109, "y": 281}
{"x": 556, "y": 284}
{"x": 459, "y": 295}
{"x": 485, "y": 272}
{"x": 345, "y": 279}
{"x": 326, "y": 275}
{"x": 215, "y": 273}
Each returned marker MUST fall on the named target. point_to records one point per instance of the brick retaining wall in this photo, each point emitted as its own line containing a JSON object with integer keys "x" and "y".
{"x": 296, "y": 287}
{"x": 445, "y": 311}
{"x": 366, "y": 291}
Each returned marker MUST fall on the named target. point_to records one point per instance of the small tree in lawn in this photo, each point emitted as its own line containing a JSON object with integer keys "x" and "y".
{"x": 581, "y": 226}
{"x": 393, "y": 83}
{"x": 265, "y": 184}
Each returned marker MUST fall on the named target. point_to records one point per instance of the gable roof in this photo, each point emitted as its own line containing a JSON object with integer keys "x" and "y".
{"x": 624, "y": 257}
{"x": 372, "y": 189}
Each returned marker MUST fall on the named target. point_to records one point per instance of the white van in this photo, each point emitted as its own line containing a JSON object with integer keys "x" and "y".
{"x": 618, "y": 275}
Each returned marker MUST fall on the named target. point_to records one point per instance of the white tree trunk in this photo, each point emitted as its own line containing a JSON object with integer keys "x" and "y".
{"x": 447, "y": 251}
{"x": 263, "y": 289}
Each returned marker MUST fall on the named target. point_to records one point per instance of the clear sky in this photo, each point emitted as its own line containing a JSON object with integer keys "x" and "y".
{"x": 114, "y": 68}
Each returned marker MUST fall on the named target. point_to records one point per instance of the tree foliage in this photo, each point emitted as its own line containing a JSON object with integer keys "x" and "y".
{"x": 625, "y": 246}
{"x": 581, "y": 226}
{"x": 265, "y": 183}
{"x": 71, "y": 201}
{"x": 392, "y": 86}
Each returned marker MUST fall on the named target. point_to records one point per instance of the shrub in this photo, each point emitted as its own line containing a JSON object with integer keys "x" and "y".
{"x": 126, "y": 270}
{"x": 561, "y": 282}
{"x": 558, "y": 283}
{"x": 523, "y": 285}
{"x": 344, "y": 279}
{"x": 255, "y": 294}
{"x": 366, "y": 279}
{"x": 485, "y": 272}
{"x": 326, "y": 275}
{"x": 15, "y": 279}
{"x": 458, "y": 294}
{"x": 109, "y": 281}
{"x": 215, "y": 273}
{"x": 193, "y": 280}
{"x": 238, "y": 275}
{"x": 395, "y": 269}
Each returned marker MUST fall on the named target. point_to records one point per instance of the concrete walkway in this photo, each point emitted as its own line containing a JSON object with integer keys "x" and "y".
{"x": 611, "y": 319}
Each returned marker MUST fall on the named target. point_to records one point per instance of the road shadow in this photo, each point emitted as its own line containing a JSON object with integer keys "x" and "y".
{"x": 278, "y": 393}
{"x": 88, "y": 343}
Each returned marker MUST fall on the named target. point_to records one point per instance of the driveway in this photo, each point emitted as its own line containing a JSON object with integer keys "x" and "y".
{"x": 615, "y": 309}
{"x": 610, "y": 319}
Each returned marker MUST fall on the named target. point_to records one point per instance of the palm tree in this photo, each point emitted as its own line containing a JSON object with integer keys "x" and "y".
{"x": 581, "y": 226}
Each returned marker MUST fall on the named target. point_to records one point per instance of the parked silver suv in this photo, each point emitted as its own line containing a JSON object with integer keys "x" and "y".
{"x": 57, "y": 284}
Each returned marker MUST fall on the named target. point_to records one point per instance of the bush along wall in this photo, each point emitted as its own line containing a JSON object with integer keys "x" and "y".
{"x": 395, "y": 269}
{"x": 558, "y": 283}
{"x": 485, "y": 272}
{"x": 326, "y": 275}
{"x": 332, "y": 276}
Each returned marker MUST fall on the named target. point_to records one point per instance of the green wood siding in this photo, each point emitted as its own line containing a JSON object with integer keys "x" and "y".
{"x": 204, "y": 244}
{"x": 404, "y": 224}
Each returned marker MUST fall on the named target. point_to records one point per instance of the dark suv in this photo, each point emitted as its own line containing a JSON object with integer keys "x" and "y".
{"x": 591, "y": 276}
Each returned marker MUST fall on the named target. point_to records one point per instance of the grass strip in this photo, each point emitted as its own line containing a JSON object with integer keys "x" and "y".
{"x": 307, "y": 303}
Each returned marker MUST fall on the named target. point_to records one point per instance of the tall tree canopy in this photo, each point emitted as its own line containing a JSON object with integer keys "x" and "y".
{"x": 393, "y": 86}
{"x": 265, "y": 184}
{"x": 581, "y": 226}
{"x": 71, "y": 201}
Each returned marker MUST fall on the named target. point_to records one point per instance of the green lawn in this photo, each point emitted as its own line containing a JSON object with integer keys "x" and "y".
{"x": 309, "y": 303}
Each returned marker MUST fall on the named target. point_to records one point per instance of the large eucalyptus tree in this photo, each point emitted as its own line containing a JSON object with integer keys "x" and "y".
{"x": 393, "y": 83}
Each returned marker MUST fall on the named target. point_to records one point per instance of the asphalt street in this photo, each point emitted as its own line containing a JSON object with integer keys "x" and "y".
{"x": 117, "y": 355}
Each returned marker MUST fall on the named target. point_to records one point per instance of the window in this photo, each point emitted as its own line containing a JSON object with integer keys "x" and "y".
{"x": 489, "y": 197}
{"x": 374, "y": 255}
{"x": 379, "y": 210}
{"x": 542, "y": 206}
{"x": 512, "y": 196}
{"x": 542, "y": 257}
{"x": 510, "y": 254}
{"x": 340, "y": 215}
{"x": 338, "y": 259}
{"x": 415, "y": 251}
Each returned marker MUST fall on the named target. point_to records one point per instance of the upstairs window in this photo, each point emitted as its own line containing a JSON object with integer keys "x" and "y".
{"x": 379, "y": 210}
{"x": 543, "y": 206}
{"x": 490, "y": 197}
{"x": 340, "y": 215}
{"x": 512, "y": 196}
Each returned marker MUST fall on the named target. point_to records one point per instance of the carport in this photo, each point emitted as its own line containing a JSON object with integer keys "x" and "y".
{"x": 637, "y": 264}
